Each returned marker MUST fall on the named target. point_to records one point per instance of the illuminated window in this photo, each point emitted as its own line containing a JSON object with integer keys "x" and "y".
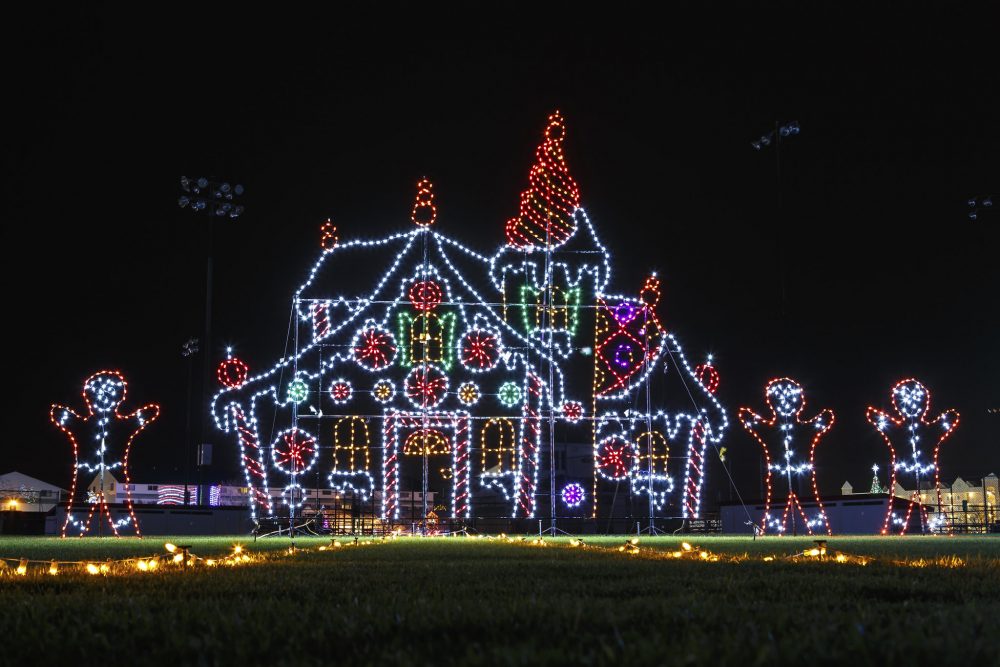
{"x": 499, "y": 446}
{"x": 652, "y": 445}
{"x": 350, "y": 445}
{"x": 428, "y": 338}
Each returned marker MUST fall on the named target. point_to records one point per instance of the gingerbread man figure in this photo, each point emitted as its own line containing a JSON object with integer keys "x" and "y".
{"x": 911, "y": 401}
{"x": 786, "y": 401}
{"x": 103, "y": 394}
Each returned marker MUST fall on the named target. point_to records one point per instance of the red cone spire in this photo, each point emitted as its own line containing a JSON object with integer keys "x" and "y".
{"x": 547, "y": 206}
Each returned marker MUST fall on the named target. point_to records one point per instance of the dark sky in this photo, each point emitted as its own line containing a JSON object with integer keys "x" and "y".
{"x": 886, "y": 277}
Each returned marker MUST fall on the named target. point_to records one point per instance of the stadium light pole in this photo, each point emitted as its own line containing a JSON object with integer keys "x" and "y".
{"x": 775, "y": 138}
{"x": 979, "y": 205}
{"x": 217, "y": 200}
{"x": 188, "y": 350}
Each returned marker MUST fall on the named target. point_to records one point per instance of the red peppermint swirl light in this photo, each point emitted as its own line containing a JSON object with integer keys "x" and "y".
{"x": 480, "y": 350}
{"x": 426, "y": 386}
{"x": 425, "y": 295}
{"x": 232, "y": 373}
{"x": 374, "y": 348}
{"x": 615, "y": 458}
{"x": 294, "y": 451}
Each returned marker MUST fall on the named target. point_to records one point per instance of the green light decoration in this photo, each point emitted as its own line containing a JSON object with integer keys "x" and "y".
{"x": 510, "y": 394}
{"x": 427, "y": 338}
{"x": 564, "y": 313}
{"x": 297, "y": 391}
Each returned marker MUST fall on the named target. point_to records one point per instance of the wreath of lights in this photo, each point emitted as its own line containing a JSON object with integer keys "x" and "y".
{"x": 103, "y": 393}
{"x": 786, "y": 401}
{"x": 460, "y": 321}
{"x": 298, "y": 391}
{"x": 384, "y": 391}
{"x": 911, "y": 403}
{"x": 509, "y": 394}
{"x": 573, "y": 495}
{"x": 469, "y": 393}
{"x": 341, "y": 391}
{"x": 572, "y": 411}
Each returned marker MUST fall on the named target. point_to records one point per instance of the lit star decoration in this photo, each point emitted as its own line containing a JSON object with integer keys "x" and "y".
{"x": 103, "y": 394}
{"x": 441, "y": 326}
{"x": 786, "y": 401}
{"x": 573, "y": 495}
{"x": 911, "y": 403}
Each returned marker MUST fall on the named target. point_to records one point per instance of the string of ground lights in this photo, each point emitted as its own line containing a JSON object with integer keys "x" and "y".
{"x": 453, "y": 364}
{"x": 181, "y": 558}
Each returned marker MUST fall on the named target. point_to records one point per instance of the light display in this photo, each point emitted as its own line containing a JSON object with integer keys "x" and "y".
{"x": 232, "y": 372}
{"x": 452, "y": 365}
{"x": 170, "y": 494}
{"x": 97, "y": 430}
{"x": 909, "y": 422}
{"x": 550, "y": 202}
{"x": 328, "y": 236}
{"x": 573, "y": 495}
{"x": 778, "y": 435}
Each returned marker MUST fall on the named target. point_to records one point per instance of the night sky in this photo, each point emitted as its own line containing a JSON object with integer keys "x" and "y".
{"x": 885, "y": 275}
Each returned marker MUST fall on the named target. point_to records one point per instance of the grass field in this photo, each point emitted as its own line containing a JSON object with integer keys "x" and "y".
{"x": 467, "y": 601}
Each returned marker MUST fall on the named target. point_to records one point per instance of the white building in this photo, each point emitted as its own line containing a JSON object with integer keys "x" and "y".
{"x": 21, "y": 492}
{"x": 964, "y": 506}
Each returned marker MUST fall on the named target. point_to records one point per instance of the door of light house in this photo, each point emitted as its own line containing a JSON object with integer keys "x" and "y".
{"x": 426, "y": 476}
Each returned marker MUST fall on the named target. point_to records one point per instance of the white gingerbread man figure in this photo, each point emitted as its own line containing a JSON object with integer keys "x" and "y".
{"x": 911, "y": 401}
{"x": 786, "y": 401}
{"x": 103, "y": 393}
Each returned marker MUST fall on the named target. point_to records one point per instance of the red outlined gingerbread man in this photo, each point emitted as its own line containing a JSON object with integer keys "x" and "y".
{"x": 786, "y": 401}
{"x": 911, "y": 401}
{"x": 103, "y": 392}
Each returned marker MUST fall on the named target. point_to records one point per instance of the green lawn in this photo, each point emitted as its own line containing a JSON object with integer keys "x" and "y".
{"x": 466, "y": 601}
